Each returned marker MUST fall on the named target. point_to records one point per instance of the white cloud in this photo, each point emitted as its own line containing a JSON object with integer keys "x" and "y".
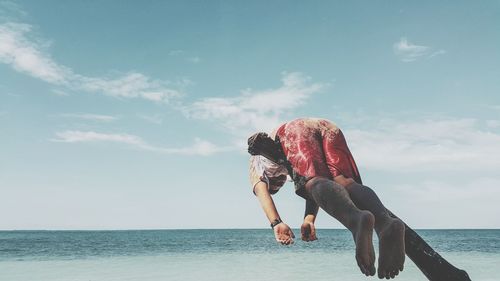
{"x": 89, "y": 136}
{"x": 25, "y": 54}
{"x": 92, "y": 117}
{"x": 467, "y": 202}
{"x": 59, "y": 92}
{"x": 493, "y": 123}
{"x": 199, "y": 147}
{"x": 194, "y": 60}
{"x": 132, "y": 85}
{"x": 426, "y": 145}
{"x": 10, "y": 9}
{"x": 19, "y": 49}
{"x": 493, "y": 107}
{"x": 13, "y": 95}
{"x": 437, "y": 53}
{"x": 256, "y": 109}
{"x": 183, "y": 54}
{"x": 175, "y": 52}
{"x": 409, "y": 52}
{"x": 155, "y": 119}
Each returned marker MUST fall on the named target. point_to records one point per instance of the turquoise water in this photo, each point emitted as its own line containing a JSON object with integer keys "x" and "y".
{"x": 218, "y": 255}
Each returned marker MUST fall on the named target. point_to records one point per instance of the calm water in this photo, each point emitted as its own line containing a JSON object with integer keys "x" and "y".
{"x": 218, "y": 255}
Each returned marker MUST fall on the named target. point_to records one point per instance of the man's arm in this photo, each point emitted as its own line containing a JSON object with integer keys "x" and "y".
{"x": 282, "y": 232}
{"x": 308, "y": 229}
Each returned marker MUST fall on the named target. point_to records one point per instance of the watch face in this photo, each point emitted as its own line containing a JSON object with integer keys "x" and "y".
{"x": 276, "y": 222}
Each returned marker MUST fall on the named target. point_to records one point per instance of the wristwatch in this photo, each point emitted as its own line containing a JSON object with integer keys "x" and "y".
{"x": 276, "y": 222}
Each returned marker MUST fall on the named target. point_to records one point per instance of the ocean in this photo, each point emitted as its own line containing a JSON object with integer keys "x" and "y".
{"x": 242, "y": 254}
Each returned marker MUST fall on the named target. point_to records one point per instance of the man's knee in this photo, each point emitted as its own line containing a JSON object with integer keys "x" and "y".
{"x": 343, "y": 181}
{"x": 318, "y": 186}
{"x": 316, "y": 182}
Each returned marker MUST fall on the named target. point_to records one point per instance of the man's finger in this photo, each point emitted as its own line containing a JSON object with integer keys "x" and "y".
{"x": 313, "y": 230}
{"x": 306, "y": 230}
{"x": 308, "y": 238}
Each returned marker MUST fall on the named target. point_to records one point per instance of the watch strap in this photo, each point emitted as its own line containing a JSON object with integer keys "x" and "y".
{"x": 276, "y": 222}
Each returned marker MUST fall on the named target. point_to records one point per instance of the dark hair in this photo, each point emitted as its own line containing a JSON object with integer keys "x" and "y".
{"x": 257, "y": 141}
{"x": 261, "y": 144}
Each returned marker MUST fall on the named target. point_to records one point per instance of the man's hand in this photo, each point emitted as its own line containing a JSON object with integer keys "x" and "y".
{"x": 283, "y": 234}
{"x": 308, "y": 231}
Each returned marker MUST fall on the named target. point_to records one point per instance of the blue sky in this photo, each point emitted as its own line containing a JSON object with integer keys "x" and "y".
{"x": 124, "y": 115}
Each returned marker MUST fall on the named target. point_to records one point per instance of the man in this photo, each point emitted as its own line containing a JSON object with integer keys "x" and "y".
{"x": 326, "y": 176}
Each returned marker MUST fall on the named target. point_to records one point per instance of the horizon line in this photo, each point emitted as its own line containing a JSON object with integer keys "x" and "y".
{"x": 170, "y": 229}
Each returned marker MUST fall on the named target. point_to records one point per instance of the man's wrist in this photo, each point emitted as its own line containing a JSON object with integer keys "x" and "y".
{"x": 275, "y": 222}
{"x": 309, "y": 218}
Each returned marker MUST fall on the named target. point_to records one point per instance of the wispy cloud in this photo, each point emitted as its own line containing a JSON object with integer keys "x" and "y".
{"x": 185, "y": 55}
{"x": 20, "y": 49}
{"x": 493, "y": 107}
{"x": 131, "y": 85}
{"x": 10, "y": 9}
{"x": 194, "y": 60}
{"x": 90, "y": 136}
{"x": 91, "y": 117}
{"x": 427, "y": 145}
{"x": 175, "y": 52}
{"x": 479, "y": 193}
{"x": 14, "y": 95}
{"x": 256, "y": 109}
{"x": 59, "y": 92}
{"x": 26, "y": 55}
{"x": 437, "y": 53}
{"x": 409, "y": 52}
{"x": 493, "y": 123}
{"x": 155, "y": 119}
{"x": 199, "y": 147}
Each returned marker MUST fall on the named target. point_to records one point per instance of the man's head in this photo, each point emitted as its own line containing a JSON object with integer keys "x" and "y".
{"x": 257, "y": 141}
{"x": 261, "y": 144}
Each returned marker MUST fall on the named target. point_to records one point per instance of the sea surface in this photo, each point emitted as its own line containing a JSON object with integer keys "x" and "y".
{"x": 195, "y": 255}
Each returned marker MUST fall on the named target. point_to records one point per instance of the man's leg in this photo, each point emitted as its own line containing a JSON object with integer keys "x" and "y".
{"x": 334, "y": 199}
{"x": 389, "y": 230}
{"x": 303, "y": 146}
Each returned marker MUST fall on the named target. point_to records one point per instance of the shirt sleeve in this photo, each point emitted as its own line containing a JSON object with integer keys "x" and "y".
{"x": 257, "y": 173}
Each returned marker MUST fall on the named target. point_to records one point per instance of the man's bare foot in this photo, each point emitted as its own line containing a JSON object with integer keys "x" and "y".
{"x": 362, "y": 234}
{"x": 391, "y": 248}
